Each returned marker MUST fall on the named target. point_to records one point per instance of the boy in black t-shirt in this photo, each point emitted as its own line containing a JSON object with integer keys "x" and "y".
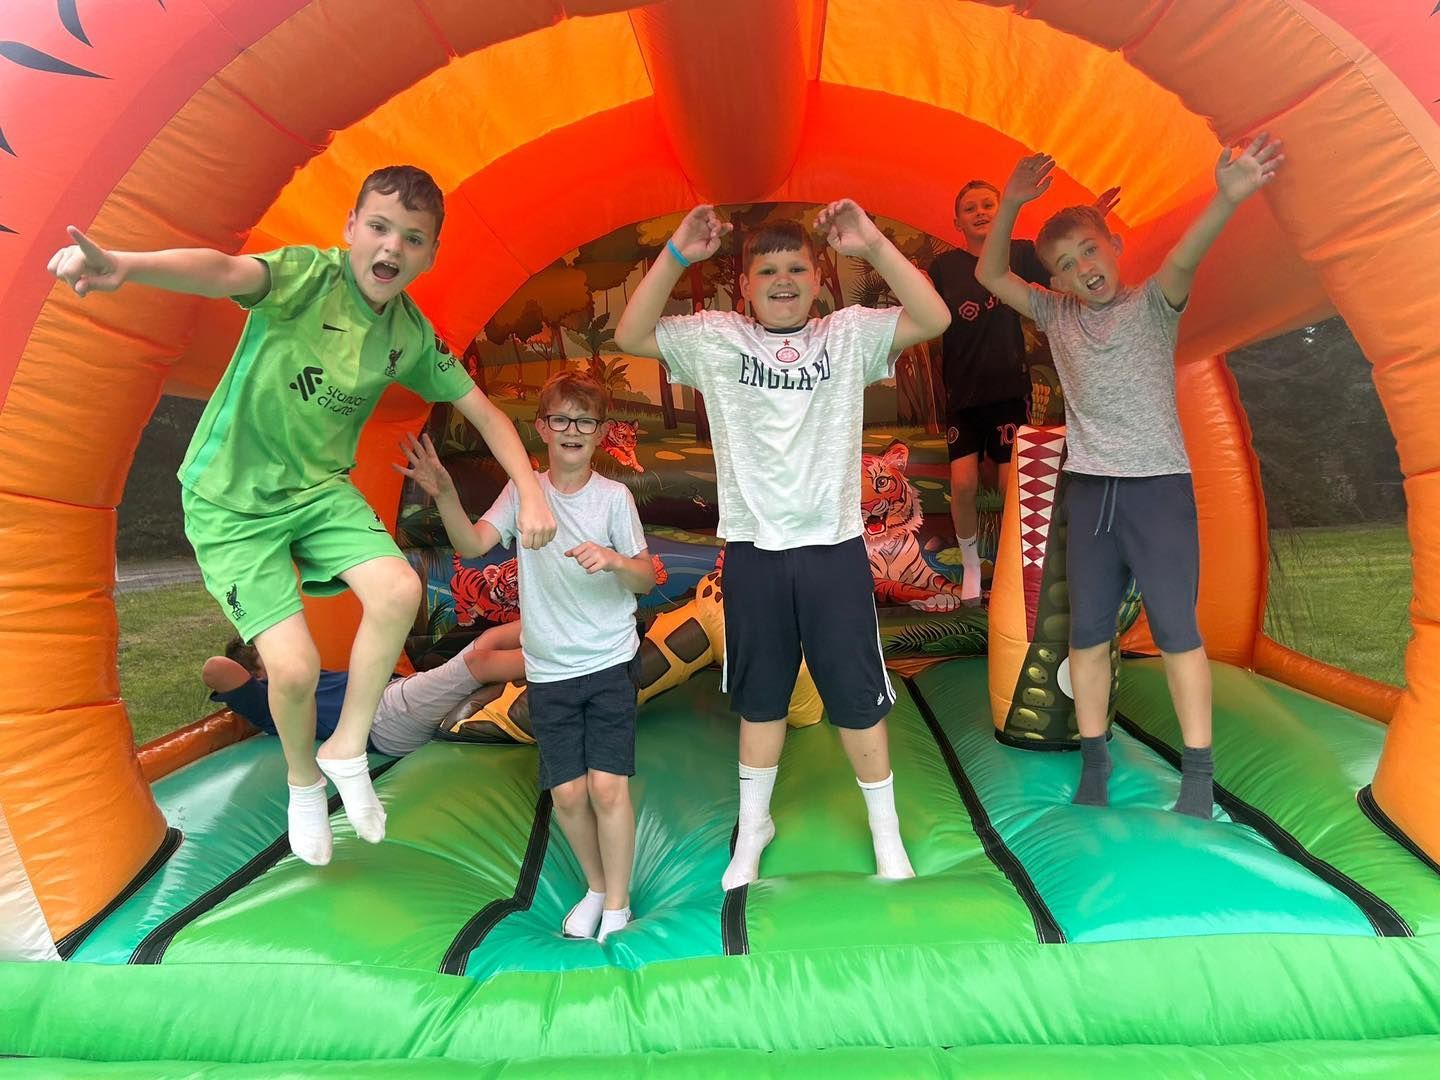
{"x": 983, "y": 361}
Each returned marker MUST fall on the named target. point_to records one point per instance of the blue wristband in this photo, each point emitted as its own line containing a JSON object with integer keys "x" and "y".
{"x": 670, "y": 246}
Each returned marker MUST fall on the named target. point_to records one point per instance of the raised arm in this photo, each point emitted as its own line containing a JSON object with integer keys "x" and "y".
{"x": 535, "y": 522}
{"x": 1235, "y": 181}
{"x": 696, "y": 239}
{"x": 849, "y": 230}
{"x": 86, "y": 267}
{"x": 424, "y": 467}
{"x": 1030, "y": 180}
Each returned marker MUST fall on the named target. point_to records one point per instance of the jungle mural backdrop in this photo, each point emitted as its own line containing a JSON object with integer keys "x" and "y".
{"x": 659, "y": 442}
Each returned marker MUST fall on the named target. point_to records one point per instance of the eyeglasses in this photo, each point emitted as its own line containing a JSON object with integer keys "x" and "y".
{"x": 585, "y": 425}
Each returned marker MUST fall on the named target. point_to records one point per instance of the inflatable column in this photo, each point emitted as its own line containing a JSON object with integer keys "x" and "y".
{"x": 1030, "y": 603}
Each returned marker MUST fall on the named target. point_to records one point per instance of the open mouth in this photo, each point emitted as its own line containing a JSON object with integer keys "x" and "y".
{"x": 874, "y": 524}
{"x": 385, "y": 271}
{"x": 573, "y": 445}
{"x": 784, "y": 297}
{"x": 1095, "y": 283}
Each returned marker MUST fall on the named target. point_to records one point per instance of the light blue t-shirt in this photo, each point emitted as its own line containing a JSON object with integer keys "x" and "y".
{"x": 574, "y": 623}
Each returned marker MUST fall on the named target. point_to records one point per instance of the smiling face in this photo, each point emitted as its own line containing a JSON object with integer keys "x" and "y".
{"x": 570, "y": 449}
{"x": 1084, "y": 261}
{"x": 781, "y": 287}
{"x": 974, "y": 211}
{"x": 390, "y": 246}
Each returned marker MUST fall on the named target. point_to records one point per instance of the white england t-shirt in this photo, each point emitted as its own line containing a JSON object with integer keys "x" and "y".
{"x": 785, "y": 412}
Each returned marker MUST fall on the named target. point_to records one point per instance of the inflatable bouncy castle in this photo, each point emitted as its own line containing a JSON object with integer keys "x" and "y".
{"x": 152, "y": 920}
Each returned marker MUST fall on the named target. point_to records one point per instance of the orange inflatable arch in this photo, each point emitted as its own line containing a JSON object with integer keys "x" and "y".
{"x": 244, "y": 124}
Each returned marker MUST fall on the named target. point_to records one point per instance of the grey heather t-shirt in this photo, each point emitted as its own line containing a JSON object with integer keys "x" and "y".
{"x": 785, "y": 411}
{"x": 574, "y": 623}
{"x": 1117, "y": 367}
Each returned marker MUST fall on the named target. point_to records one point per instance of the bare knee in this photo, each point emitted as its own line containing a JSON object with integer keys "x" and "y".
{"x": 395, "y": 596}
{"x": 571, "y": 795}
{"x": 608, "y": 791}
{"x": 294, "y": 674}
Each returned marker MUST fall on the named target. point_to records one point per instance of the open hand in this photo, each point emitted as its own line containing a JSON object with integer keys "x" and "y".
{"x": 85, "y": 266}
{"x": 1107, "y": 200}
{"x": 1240, "y": 177}
{"x": 848, "y": 229}
{"x": 698, "y": 236}
{"x": 425, "y": 468}
{"x": 593, "y": 557}
{"x": 1031, "y": 178}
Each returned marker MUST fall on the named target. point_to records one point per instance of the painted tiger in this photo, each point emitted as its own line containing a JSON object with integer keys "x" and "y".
{"x": 619, "y": 443}
{"x": 891, "y": 512}
{"x": 491, "y": 593}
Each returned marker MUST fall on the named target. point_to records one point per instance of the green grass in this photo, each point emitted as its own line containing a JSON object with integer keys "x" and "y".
{"x": 165, "y": 636}
{"x": 1339, "y": 595}
{"x": 1342, "y": 595}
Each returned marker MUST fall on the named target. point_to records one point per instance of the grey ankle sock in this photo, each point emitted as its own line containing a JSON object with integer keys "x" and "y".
{"x": 1197, "y": 783}
{"x": 1094, "y": 789}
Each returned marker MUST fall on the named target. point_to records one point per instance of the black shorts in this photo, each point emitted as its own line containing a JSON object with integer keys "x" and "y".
{"x": 1143, "y": 526}
{"x": 583, "y": 723}
{"x": 988, "y": 430}
{"x": 819, "y": 600}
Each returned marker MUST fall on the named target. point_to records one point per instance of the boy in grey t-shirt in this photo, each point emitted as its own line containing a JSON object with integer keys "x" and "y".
{"x": 785, "y": 395}
{"x": 1131, "y": 504}
{"x": 578, "y": 636}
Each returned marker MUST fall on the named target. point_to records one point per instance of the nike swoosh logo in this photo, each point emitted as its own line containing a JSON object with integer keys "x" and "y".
{"x": 381, "y": 529}
{"x": 337, "y": 329}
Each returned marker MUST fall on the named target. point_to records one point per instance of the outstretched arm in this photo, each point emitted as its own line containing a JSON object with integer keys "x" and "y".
{"x": 849, "y": 230}
{"x": 697, "y": 238}
{"x": 1235, "y": 181}
{"x": 87, "y": 267}
{"x": 469, "y": 541}
{"x": 1030, "y": 180}
{"x": 535, "y": 522}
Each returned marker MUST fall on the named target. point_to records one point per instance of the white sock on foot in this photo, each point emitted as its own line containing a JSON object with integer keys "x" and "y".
{"x": 352, "y": 777}
{"x": 308, "y": 816}
{"x": 755, "y": 829}
{"x": 890, "y": 858}
{"x": 584, "y": 916}
{"x": 611, "y": 921}
{"x": 970, "y": 557}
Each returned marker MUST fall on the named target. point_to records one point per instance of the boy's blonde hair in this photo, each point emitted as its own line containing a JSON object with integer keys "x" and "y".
{"x": 1063, "y": 222}
{"x": 578, "y": 386}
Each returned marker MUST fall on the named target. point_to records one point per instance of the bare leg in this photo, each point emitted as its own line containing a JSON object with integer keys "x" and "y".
{"x": 760, "y": 747}
{"x": 577, "y": 822}
{"x": 292, "y": 668}
{"x": 1188, "y": 674}
{"x": 964, "y": 483}
{"x": 615, "y": 816}
{"x": 1090, "y": 680}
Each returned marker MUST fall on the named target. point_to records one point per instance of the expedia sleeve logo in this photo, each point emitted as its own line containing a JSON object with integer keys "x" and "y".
{"x": 445, "y": 358}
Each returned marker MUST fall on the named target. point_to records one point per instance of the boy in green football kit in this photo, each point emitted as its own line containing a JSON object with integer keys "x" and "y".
{"x": 265, "y": 482}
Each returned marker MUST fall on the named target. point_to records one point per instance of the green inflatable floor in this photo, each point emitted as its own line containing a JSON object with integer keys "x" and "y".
{"x": 1036, "y": 935}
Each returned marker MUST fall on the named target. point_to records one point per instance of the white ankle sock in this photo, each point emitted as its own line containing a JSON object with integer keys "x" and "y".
{"x": 308, "y": 816}
{"x": 970, "y": 556}
{"x": 611, "y": 921}
{"x": 585, "y": 915}
{"x": 755, "y": 829}
{"x": 890, "y": 858}
{"x": 352, "y": 777}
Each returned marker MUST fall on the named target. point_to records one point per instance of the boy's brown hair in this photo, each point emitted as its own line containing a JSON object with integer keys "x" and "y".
{"x": 971, "y": 186}
{"x": 1063, "y": 222}
{"x": 247, "y": 656}
{"x": 578, "y": 386}
{"x": 416, "y": 188}
{"x": 776, "y": 236}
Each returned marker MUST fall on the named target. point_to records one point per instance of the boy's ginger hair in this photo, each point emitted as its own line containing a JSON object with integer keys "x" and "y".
{"x": 578, "y": 386}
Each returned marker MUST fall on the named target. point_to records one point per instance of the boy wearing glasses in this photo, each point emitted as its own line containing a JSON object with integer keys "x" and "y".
{"x": 578, "y": 636}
